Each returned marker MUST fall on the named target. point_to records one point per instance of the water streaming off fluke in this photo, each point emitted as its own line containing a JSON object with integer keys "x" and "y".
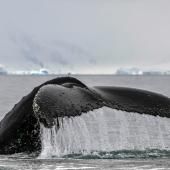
{"x": 105, "y": 130}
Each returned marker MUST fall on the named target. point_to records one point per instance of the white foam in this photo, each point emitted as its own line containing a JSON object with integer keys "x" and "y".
{"x": 105, "y": 129}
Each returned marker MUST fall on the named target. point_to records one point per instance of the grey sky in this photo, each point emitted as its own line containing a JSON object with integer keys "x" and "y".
{"x": 86, "y": 36}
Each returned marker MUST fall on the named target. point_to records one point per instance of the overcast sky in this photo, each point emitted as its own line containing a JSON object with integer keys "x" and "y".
{"x": 84, "y": 36}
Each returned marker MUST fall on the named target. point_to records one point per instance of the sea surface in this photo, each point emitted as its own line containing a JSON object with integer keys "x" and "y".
{"x": 13, "y": 88}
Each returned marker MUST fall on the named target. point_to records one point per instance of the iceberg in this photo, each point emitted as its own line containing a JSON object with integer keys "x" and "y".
{"x": 3, "y": 71}
{"x": 129, "y": 71}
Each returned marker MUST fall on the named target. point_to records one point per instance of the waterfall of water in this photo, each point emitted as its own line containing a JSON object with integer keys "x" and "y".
{"x": 105, "y": 129}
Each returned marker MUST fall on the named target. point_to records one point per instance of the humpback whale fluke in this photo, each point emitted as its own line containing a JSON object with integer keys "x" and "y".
{"x": 68, "y": 97}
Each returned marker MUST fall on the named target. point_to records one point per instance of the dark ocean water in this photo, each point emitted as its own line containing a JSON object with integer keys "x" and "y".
{"x": 13, "y": 88}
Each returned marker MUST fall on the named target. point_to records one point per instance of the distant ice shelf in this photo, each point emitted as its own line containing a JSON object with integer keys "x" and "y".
{"x": 42, "y": 71}
{"x": 137, "y": 71}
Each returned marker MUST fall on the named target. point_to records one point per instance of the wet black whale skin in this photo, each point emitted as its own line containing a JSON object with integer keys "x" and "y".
{"x": 20, "y": 128}
{"x": 67, "y": 96}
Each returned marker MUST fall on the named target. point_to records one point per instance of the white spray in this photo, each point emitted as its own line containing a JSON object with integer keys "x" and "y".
{"x": 105, "y": 129}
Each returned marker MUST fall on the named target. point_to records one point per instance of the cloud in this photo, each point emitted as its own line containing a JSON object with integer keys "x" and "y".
{"x": 78, "y": 35}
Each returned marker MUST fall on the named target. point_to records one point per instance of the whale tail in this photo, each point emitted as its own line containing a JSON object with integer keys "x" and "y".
{"x": 68, "y": 97}
{"x": 20, "y": 128}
